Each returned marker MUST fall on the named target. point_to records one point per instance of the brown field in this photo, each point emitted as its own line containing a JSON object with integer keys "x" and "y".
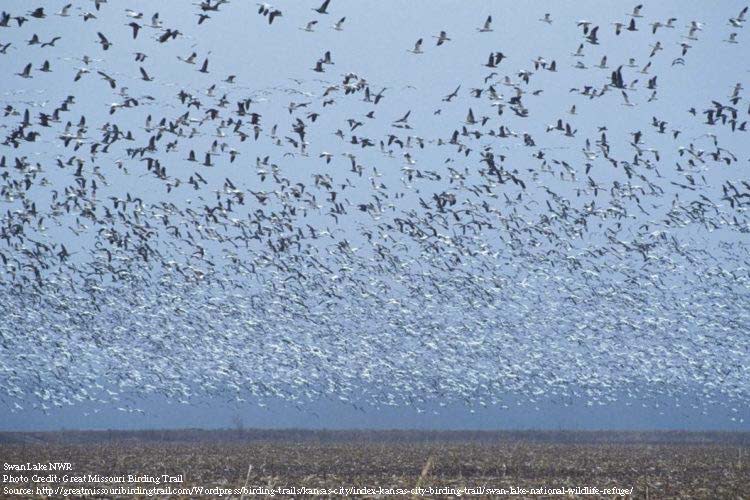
{"x": 656, "y": 465}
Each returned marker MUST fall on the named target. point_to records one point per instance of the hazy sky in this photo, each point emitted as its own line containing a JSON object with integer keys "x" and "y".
{"x": 374, "y": 43}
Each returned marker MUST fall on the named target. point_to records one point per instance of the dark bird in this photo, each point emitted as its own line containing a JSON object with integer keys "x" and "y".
{"x": 144, "y": 76}
{"x": 323, "y": 7}
{"x": 26, "y": 73}
{"x": 273, "y": 14}
{"x": 51, "y": 43}
{"x": 106, "y": 44}
{"x": 135, "y": 27}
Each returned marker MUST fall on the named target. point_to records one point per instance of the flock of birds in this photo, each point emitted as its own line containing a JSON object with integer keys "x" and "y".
{"x": 193, "y": 236}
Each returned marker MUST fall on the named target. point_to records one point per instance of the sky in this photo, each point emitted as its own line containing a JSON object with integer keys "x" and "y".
{"x": 374, "y": 45}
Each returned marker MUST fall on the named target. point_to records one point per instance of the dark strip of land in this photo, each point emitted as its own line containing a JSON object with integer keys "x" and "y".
{"x": 377, "y": 436}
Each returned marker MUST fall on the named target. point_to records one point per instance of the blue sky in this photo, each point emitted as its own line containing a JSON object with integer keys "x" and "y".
{"x": 374, "y": 43}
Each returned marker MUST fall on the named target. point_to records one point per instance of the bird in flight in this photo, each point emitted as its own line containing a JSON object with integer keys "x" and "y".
{"x": 103, "y": 41}
{"x": 417, "y": 47}
{"x": 487, "y": 27}
{"x": 442, "y": 38}
{"x": 323, "y": 7}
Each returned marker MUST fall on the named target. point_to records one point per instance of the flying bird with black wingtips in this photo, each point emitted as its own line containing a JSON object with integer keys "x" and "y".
{"x": 487, "y": 27}
{"x": 442, "y": 38}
